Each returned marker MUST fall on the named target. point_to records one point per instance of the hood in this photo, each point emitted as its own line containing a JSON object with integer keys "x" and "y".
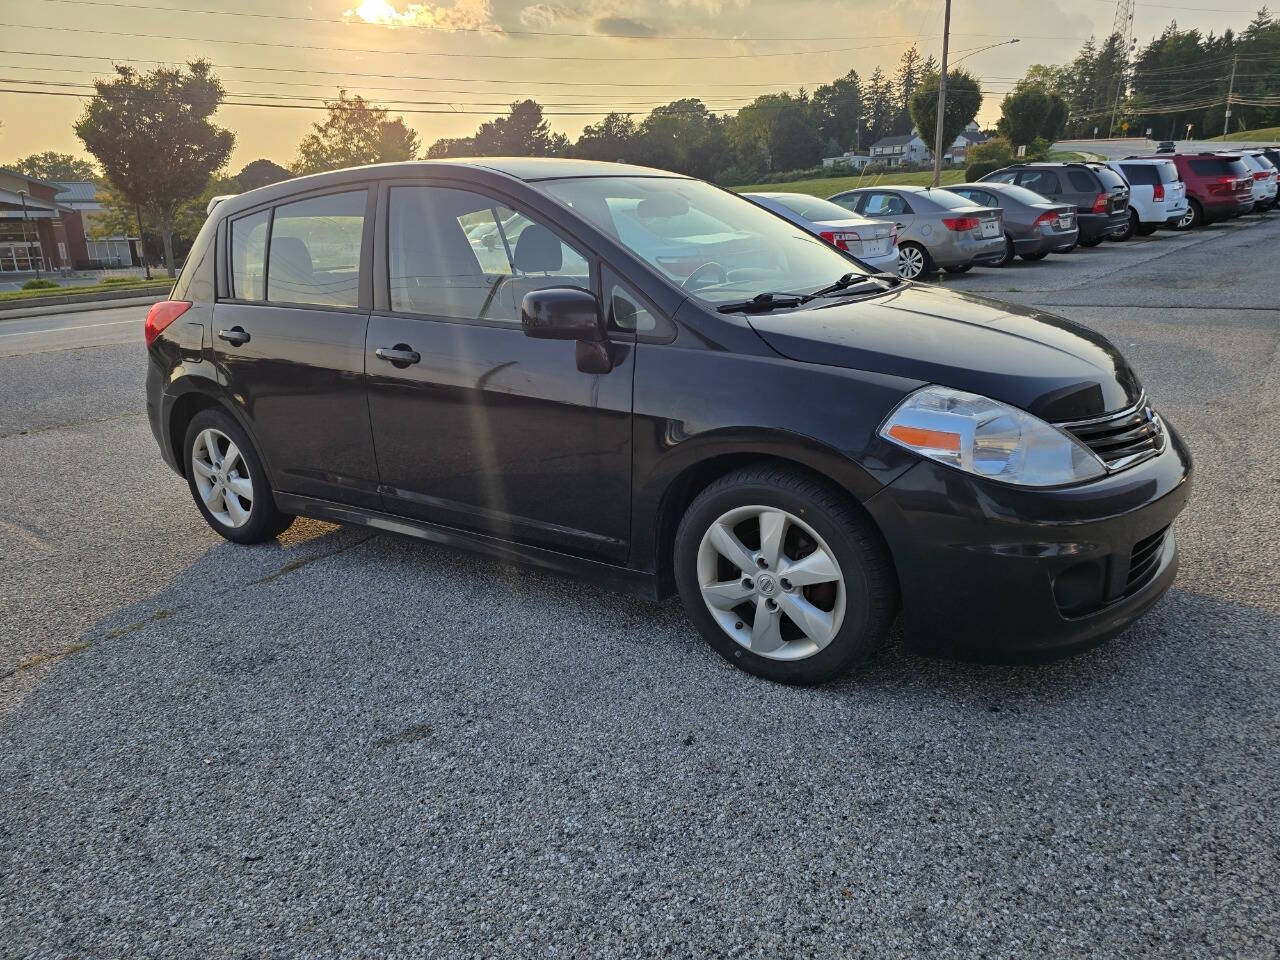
{"x": 1054, "y": 368}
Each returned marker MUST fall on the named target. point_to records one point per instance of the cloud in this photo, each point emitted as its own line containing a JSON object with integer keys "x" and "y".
{"x": 460, "y": 15}
{"x": 624, "y": 27}
{"x": 539, "y": 16}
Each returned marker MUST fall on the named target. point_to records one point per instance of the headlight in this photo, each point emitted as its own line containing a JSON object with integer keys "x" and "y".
{"x": 989, "y": 438}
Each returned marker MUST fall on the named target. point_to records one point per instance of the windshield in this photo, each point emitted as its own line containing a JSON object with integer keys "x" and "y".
{"x": 811, "y": 208}
{"x": 715, "y": 244}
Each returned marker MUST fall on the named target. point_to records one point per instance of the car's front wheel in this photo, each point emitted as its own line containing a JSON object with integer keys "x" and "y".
{"x": 913, "y": 261}
{"x": 783, "y": 576}
{"x": 227, "y": 480}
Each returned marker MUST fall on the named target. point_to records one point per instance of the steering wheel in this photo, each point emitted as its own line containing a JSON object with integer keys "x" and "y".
{"x": 688, "y": 281}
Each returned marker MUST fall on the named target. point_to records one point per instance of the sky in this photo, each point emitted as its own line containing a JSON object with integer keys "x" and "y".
{"x": 464, "y": 60}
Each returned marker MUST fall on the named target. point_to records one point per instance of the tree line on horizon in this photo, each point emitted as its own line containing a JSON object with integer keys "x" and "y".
{"x": 162, "y": 193}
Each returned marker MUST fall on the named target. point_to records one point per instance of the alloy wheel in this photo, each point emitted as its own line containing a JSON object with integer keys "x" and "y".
{"x": 910, "y": 262}
{"x": 222, "y": 478}
{"x": 771, "y": 583}
{"x": 1188, "y": 218}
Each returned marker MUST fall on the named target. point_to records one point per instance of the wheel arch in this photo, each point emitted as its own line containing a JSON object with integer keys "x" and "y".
{"x": 830, "y": 467}
{"x": 185, "y": 405}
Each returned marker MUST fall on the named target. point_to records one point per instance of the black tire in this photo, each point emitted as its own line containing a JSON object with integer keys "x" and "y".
{"x": 1196, "y": 218}
{"x": 870, "y": 583}
{"x": 1130, "y": 228}
{"x": 1039, "y": 255}
{"x": 1146, "y": 229}
{"x": 1009, "y": 253}
{"x": 265, "y": 521}
{"x": 1091, "y": 241}
{"x": 959, "y": 268}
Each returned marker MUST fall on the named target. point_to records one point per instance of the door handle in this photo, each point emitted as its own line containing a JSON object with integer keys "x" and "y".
{"x": 401, "y": 355}
{"x": 236, "y": 336}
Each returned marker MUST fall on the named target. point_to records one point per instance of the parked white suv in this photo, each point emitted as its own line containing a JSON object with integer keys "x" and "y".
{"x": 1264, "y": 179}
{"x": 1157, "y": 195}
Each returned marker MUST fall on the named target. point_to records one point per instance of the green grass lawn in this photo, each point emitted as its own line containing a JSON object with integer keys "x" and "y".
{"x": 826, "y": 186}
{"x": 141, "y": 287}
{"x": 1262, "y": 133}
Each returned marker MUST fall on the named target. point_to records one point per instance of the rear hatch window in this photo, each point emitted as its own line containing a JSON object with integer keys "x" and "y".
{"x": 1218, "y": 167}
{"x": 1141, "y": 174}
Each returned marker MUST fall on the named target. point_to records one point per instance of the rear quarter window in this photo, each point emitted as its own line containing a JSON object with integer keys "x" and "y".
{"x": 1110, "y": 179}
{"x": 1082, "y": 181}
{"x": 1141, "y": 174}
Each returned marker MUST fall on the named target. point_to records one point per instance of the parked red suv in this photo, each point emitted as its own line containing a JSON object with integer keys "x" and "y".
{"x": 1218, "y": 186}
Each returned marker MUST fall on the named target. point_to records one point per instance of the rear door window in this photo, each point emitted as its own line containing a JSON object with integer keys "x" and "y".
{"x": 1043, "y": 182}
{"x": 1110, "y": 179}
{"x": 315, "y": 250}
{"x": 885, "y": 205}
{"x": 1002, "y": 176}
{"x": 249, "y": 256}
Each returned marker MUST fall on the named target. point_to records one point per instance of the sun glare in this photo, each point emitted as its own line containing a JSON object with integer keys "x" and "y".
{"x": 461, "y": 14}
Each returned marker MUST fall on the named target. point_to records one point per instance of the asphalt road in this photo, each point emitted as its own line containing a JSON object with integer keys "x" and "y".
{"x": 350, "y": 744}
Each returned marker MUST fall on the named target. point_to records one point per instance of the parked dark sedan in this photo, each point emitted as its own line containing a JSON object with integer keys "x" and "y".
{"x": 1033, "y": 226}
{"x": 797, "y": 447}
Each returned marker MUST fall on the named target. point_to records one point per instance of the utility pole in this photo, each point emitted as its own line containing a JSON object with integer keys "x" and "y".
{"x": 1231, "y": 89}
{"x": 938, "y": 145}
{"x": 1122, "y": 25}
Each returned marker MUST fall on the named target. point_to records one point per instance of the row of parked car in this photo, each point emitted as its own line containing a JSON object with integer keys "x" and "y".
{"x": 1030, "y": 210}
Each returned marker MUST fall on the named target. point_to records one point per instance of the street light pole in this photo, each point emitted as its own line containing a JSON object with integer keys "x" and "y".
{"x": 942, "y": 98}
{"x": 25, "y": 221}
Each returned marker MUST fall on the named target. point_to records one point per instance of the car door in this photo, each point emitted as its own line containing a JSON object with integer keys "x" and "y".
{"x": 893, "y": 207}
{"x": 289, "y": 331}
{"x": 475, "y": 425}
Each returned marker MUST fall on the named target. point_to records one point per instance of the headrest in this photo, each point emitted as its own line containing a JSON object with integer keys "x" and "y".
{"x": 538, "y": 249}
{"x": 290, "y": 259}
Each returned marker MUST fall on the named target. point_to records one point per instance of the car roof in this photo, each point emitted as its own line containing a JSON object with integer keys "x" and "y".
{"x": 1143, "y": 160}
{"x": 905, "y": 188}
{"x": 528, "y": 169}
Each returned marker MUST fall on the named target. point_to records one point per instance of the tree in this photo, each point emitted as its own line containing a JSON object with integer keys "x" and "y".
{"x": 613, "y": 138}
{"x": 838, "y": 109}
{"x": 522, "y": 133}
{"x": 260, "y": 173}
{"x": 353, "y": 133}
{"x": 685, "y": 137}
{"x": 154, "y": 139}
{"x": 1029, "y": 113}
{"x": 964, "y": 99}
{"x": 879, "y": 113}
{"x": 52, "y": 165}
{"x": 906, "y": 80}
{"x": 452, "y": 147}
{"x": 794, "y": 140}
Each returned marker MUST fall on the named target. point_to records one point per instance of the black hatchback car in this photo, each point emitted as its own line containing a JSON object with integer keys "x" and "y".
{"x": 1100, "y": 195}
{"x": 643, "y": 379}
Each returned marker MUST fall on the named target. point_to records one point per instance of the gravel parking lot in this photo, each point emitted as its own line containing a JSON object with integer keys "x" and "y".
{"x": 350, "y": 744}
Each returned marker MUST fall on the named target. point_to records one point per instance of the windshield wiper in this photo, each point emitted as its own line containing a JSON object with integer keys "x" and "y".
{"x": 762, "y": 303}
{"x": 847, "y": 281}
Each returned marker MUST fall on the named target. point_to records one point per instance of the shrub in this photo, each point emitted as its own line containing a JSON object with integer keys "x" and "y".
{"x": 978, "y": 170}
{"x": 109, "y": 280}
{"x": 40, "y": 284}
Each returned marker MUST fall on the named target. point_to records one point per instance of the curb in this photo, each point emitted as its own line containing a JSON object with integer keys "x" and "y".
{"x": 71, "y": 305}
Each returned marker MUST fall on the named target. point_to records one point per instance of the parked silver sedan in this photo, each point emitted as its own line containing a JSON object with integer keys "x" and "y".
{"x": 1034, "y": 226}
{"x": 935, "y": 228}
{"x": 874, "y": 242}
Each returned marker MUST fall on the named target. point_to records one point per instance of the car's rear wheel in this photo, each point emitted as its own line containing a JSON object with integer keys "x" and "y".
{"x": 783, "y": 576}
{"x": 1040, "y": 254}
{"x": 1194, "y": 217}
{"x": 1091, "y": 241}
{"x": 913, "y": 261}
{"x": 1130, "y": 228}
{"x": 1009, "y": 253}
{"x": 1146, "y": 229}
{"x": 227, "y": 480}
{"x": 959, "y": 268}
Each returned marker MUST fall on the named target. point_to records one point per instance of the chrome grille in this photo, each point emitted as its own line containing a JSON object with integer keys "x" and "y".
{"x": 1121, "y": 439}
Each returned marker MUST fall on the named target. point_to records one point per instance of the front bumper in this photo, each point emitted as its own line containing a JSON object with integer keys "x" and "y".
{"x": 994, "y": 572}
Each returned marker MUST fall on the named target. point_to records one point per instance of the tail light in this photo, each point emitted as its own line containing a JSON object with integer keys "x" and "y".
{"x": 1222, "y": 185}
{"x": 161, "y": 315}
{"x": 960, "y": 224}
{"x": 840, "y": 238}
{"x": 1100, "y": 203}
{"x": 1260, "y": 175}
{"x": 1045, "y": 219}
{"x": 1158, "y": 193}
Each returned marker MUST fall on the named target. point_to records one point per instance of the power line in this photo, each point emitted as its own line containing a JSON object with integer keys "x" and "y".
{"x": 427, "y": 53}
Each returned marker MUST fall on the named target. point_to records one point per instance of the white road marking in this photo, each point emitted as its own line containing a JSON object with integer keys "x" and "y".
{"x": 85, "y": 326}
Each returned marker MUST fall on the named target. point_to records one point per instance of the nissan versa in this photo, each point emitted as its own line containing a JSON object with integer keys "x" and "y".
{"x": 641, "y": 378}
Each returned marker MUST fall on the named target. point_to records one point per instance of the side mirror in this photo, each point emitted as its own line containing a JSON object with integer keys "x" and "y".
{"x": 562, "y": 313}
